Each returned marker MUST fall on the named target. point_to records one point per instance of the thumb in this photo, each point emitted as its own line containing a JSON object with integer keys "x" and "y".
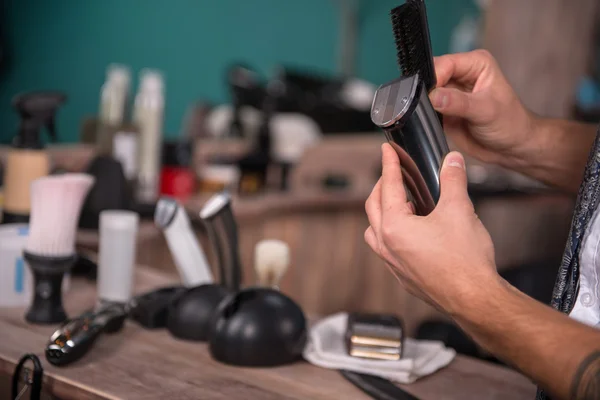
{"x": 453, "y": 180}
{"x": 454, "y": 102}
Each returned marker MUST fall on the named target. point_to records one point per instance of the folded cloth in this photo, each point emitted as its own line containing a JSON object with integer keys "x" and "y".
{"x": 326, "y": 348}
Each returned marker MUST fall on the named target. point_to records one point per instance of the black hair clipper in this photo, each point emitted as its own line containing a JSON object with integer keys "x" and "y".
{"x": 403, "y": 110}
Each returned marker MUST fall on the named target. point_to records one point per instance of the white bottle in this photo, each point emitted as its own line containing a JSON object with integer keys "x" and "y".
{"x": 113, "y": 95}
{"x": 148, "y": 114}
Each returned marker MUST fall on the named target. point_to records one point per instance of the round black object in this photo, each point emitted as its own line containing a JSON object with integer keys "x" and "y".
{"x": 190, "y": 313}
{"x": 258, "y": 327}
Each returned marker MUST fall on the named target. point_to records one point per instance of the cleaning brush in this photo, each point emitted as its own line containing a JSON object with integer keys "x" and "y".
{"x": 271, "y": 261}
{"x": 55, "y": 206}
{"x": 413, "y": 45}
{"x": 50, "y": 249}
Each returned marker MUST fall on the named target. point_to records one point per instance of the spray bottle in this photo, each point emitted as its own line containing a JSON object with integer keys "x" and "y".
{"x": 28, "y": 159}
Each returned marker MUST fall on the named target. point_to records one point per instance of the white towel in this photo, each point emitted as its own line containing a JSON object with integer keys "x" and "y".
{"x": 326, "y": 348}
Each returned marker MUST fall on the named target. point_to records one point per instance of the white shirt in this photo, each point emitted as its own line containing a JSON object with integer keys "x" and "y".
{"x": 587, "y": 304}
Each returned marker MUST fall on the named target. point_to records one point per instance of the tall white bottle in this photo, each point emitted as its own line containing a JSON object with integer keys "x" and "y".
{"x": 148, "y": 115}
{"x": 113, "y": 96}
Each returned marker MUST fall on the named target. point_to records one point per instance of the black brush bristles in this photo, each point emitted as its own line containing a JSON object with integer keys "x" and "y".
{"x": 411, "y": 34}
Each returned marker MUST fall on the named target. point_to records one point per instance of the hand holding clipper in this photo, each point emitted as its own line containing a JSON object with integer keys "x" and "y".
{"x": 403, "y": 110}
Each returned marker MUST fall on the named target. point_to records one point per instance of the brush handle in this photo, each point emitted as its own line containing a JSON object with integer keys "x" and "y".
{"x": 186, "y": 251}
{"x": 48, "y": 273}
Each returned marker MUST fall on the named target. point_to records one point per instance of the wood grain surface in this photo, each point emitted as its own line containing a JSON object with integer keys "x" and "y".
{"x": 140, "y": 364}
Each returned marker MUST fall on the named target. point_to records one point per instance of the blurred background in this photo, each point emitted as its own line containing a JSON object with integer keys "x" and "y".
{"x": 192, "y": 42}
{"x": 270, "y": 99}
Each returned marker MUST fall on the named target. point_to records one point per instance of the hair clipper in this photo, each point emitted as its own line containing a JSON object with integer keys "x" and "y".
{"x": 403, "y": 110}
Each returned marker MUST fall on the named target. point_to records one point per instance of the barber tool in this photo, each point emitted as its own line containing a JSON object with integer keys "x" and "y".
{"x": 76, "y": 337}
{"x": 260, "y": 326}
{"x": 222, "y": 229}
{"x": 116, "y": 259}
{"x": 271, "y": 261}
{"x": 403, "y": 110}
{"x": 50, "y": 250}
{"x": 187, "y": 253}
{"x": 33, "y": 380}
{"x": 376, "y": 387}
{"x": 190, "y": 314}
{"x": 374, "y": 336}
{"x": 328, "y": 348}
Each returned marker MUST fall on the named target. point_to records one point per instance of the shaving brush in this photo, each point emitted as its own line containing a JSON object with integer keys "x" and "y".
{"x": 271, "y": 261}
{"x": 50, "y": 249}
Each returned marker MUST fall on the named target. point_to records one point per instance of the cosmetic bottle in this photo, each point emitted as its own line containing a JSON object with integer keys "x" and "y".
{"x": 148, "y": 116}
{"x": 28, "y": 159}
{"x": 113, "y": 97}
{"x": 113, "y": 100}
{"x": 177, "y": 178}
{"x": 125, "y": 149}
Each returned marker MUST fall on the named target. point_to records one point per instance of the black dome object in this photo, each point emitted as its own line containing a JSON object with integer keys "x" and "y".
{"x": 258, "y": 327}
{"x": 190, "y": 314}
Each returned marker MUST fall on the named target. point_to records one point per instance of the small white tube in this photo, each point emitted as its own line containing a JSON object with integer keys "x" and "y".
{"x": 189, "y": 257}
{"x": 116, "y": 260}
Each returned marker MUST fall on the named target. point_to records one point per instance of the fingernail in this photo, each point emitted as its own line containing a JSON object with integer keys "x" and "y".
{"x": 438, "y": 100}
{"x": 454, "y": 159}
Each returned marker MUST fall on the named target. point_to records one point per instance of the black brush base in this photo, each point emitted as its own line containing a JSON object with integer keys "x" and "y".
{"x": 48, "y": 273}
{"x": 14, "y": 218}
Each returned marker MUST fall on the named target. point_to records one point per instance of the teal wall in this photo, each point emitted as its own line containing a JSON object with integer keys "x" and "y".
{"x": 67, "y": 44}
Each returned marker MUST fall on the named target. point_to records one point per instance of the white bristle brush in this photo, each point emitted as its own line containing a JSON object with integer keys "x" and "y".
{"x": 271, "y": 261}
{"x": 56, "y": 202}
{"x": 50, "y": 249}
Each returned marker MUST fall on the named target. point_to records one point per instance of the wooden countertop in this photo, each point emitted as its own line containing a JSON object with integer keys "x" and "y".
{"x": 142, "y": 364}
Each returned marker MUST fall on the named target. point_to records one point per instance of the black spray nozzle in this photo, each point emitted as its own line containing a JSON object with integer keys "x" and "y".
{"x": 37, "y": 110}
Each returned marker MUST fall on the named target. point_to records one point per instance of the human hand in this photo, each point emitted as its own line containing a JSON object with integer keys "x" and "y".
{"x": 443, "y": 258}
{"x": 482, "y": 114}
